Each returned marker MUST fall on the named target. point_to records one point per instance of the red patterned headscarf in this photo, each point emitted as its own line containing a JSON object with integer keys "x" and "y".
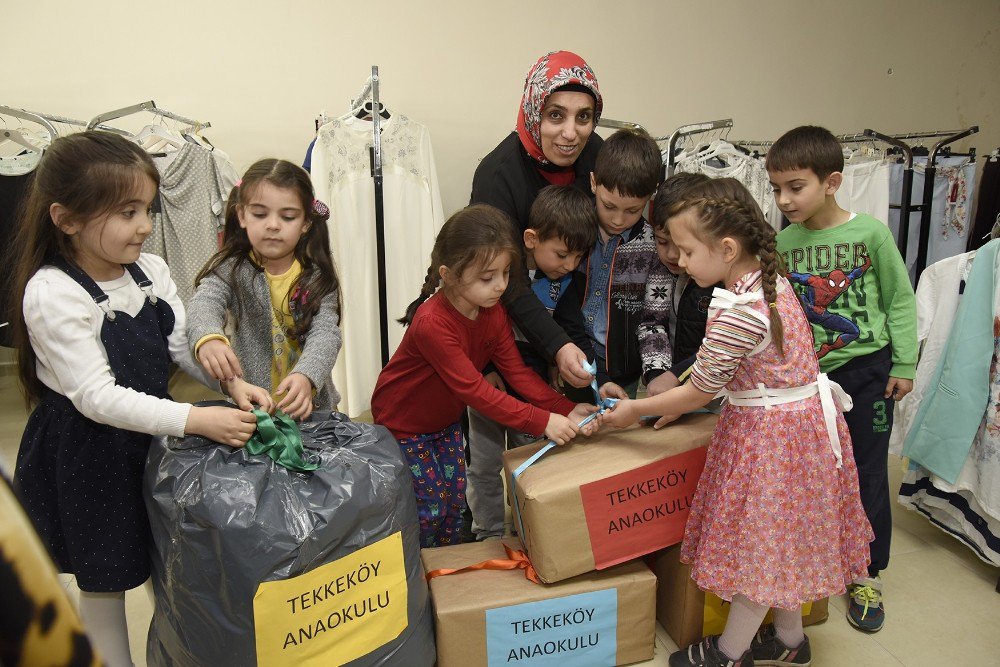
{"x": 552, "y": 71}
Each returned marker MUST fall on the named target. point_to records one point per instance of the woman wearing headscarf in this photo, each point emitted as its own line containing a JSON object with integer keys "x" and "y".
{"x": 554, "y": 144}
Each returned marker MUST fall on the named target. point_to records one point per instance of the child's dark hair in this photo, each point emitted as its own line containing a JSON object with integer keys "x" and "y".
{"x": 806, "y": 147}
{"x": 670, "y": 192}
{"x": 565, "y": 213}
{"x": 629, "y": 162}
{"x": 726, "y": 208}
{"x": 90, "y": 174}
{"x": 319, "y": 277}
{"x": 473, "y": 236}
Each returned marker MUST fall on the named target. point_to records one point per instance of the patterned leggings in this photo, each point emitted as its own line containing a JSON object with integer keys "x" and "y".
{"x": 437, "y": 463}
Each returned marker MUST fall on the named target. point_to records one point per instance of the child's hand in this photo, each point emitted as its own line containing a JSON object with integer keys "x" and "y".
{"x": 246, "y": 395}
{"x": 898, "y": 388}
{"x": 581, "y": 412}
{"x": 560, "y": 430}
{"x": 612, "y": 390}
{"x": 661, "y": 383}
{"x": 219, "y": 360}
{"x": 664, "y": 420}
{"x": 621, "y": 415}
{"x": 297, "y": 401}
{"x": 227, "y": 426}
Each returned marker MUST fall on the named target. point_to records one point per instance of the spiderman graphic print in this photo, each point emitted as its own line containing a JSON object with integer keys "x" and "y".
{"x": 818, "y": 292}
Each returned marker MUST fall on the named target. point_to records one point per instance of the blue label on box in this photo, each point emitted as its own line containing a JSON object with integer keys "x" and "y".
{"x": 575, "y": 629}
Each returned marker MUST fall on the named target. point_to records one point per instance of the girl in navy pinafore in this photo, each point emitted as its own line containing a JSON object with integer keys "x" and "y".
{"x": 97, "y": 328}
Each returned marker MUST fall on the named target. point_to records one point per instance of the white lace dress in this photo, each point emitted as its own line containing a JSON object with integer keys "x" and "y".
{"x": 341, "y": 174}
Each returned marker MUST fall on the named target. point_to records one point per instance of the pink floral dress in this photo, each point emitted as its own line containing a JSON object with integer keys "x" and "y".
{"x": 774, "y": 518}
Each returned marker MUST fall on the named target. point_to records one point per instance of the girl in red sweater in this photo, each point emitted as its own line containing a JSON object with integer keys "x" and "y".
{"x": 436, "y": 372}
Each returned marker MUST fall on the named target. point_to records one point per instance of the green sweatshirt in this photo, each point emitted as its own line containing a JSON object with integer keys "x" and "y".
{"x": 855, "y": 290}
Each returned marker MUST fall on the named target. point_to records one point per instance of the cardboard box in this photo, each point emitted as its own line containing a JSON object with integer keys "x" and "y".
{"x": 499, "y": 617}
{"x": 687, "y": 613}
{"x": 609, "y": 498}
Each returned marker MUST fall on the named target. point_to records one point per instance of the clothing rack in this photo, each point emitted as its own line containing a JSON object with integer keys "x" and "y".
{"x": 371, "y": 88}
{"x": 80, "y": 123}
{"x": 690, "y": 130}
{"x": 29, "y": 116}
{"x": 149, "y": 106}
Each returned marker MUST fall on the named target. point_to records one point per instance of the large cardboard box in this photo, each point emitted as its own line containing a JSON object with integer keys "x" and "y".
{"x": 491, "y": 617}
{"x": 609, "y": 498}
{"x": 687, "y": 613}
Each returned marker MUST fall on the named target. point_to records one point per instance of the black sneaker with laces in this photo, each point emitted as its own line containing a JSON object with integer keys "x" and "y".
{"x": 706, "y": 653}
{"x": 767, "y": 649}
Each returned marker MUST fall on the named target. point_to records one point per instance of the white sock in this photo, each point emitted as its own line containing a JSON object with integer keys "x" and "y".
{"x": 744, "y": 620}
{"x": 103, "y": 616}
{"x": 788, "y": 626}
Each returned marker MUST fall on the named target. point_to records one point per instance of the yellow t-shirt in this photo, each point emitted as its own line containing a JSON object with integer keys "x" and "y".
{"x": 285, "y": 350}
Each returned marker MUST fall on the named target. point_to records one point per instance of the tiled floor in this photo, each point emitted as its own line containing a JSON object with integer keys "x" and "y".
{"x": 942, "y": 608}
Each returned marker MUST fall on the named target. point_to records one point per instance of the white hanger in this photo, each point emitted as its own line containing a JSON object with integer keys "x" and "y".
{"x": 159, "y": 139}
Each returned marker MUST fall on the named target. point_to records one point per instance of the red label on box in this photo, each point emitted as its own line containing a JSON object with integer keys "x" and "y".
{"x": 641, "y": 510}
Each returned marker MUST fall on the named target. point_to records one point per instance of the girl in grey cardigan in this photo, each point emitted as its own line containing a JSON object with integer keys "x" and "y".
{"x": 274, "y": 289}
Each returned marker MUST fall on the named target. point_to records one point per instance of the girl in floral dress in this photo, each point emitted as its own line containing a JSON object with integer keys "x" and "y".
{"x": 777, "y": 519}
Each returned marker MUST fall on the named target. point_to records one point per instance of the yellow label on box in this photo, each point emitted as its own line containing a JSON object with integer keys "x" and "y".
{"x": 717, "y": 611}
{"x": 336, "y": 613}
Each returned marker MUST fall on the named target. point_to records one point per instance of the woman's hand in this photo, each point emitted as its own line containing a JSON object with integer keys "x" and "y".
{"x": 570, "y": 360}
{"x": 612, "y": 390}
{"x": 622, "y": 415}
{"x": 246, "y": 395}
{"x": 219, "y": 360}
{"x": 228, "y": 426}
{"x": 560, "y": 430}
{"x": 494, "y": 380}
{"x": 297, "y": 401}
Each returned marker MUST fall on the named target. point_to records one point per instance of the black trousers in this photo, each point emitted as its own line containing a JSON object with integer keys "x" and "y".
{"x": 870, "y": 422}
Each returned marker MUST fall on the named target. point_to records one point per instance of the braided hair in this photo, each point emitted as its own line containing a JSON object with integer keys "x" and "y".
{"x": 726, "y": 208}
{"x": 472, "y": 237}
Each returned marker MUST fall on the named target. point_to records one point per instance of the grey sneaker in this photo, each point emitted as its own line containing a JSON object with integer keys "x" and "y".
{"x": 706, "y": 653}
{"x": 866, "y": 611}
{"x": 769, "y": 650}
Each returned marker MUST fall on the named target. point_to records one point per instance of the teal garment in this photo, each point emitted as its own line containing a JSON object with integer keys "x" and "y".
{"x": 954, "y": 404}
{"x": 278, "y": 437}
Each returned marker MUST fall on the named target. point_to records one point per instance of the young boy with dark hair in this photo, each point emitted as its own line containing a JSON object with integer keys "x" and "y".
{"x": 562, "y": 228}
{"x": 857, "y": 295}
{"x": 674, "y": 302}
{"x": 625, "y": 176}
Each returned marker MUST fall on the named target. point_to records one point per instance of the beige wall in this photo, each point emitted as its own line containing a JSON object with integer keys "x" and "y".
{"x": 260, "y": 71}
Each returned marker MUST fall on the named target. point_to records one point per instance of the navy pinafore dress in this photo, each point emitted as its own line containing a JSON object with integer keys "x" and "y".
{"x": 81, "y": 481}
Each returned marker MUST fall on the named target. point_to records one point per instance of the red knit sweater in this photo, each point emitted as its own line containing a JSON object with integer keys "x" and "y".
{"x": 437, "y": 371}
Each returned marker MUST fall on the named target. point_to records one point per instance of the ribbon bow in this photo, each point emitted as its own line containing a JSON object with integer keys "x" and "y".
{"x": 278, "y": 437}
{"x": 516, "y": 560}
{"x": 723, "y": 298}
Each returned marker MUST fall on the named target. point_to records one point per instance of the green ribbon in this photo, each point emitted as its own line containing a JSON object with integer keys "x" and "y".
{"x": 278, "y": 437}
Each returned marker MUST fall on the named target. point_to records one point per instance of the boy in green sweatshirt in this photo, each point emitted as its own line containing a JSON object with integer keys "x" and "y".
{"x": 857, "y": 295}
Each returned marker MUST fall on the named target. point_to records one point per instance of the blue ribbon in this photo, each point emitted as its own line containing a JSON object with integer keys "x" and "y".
{"x": 603, "y": 405}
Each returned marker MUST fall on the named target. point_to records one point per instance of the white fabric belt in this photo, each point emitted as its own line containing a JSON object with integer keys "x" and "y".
{"x": 831, "y": 396}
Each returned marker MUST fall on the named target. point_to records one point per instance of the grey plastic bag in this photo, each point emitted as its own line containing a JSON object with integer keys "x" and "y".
{"x": 224, "y": 521}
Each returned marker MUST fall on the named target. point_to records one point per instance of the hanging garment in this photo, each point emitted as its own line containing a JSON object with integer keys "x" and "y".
{"x": 865, "y": 188}
{"x": 958, "y": 512}
{"x": 748, "y": 170}
{"x": 954, "y": 181}
{"x": 987, "y": 206}
{"x": 341, "y": 174}
{"x": 956, "y": 398}
{"x": 13, "y": 190}
{"x": 189, "y": 212}
{"x": 938, "y": 295}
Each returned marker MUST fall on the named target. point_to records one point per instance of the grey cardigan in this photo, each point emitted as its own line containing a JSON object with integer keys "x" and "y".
{"x": 213, "y": 300}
